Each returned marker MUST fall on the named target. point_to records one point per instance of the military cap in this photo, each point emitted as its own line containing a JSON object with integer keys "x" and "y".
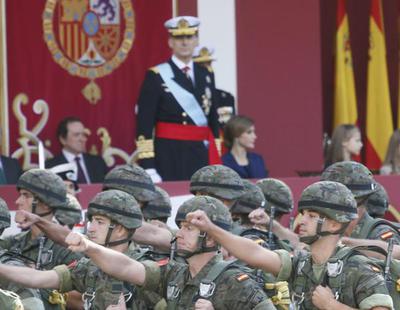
{"x": 118, "y": 206}
{"x": 203, "y": 54}
{"x": 71, "y": 214}
{"x": 44, "y": 185}
{"x": 330, "y": 199}
{"x": 354, "y": 175}
{"x": 377, "y": 203}
{"x": 131, "y": 179}
{"x": 67, "y": 172}
{"x": 217, "y": 180}
{"x": 215, "y": 210}
{"x": 182, "y": 26}
{"x": 252, "y": 199}
{"x": 5, "y": 218}
{"x": 276, "y": 194}
{"x": 160, "y": 207}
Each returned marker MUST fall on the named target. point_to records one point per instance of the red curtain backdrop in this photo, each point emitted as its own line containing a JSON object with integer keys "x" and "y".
{"x": 33, "y": 71}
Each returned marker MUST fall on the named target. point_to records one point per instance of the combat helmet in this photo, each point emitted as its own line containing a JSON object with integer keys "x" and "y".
{"x": 277, "y": 194}
{"x": 120, "y": 207}
{"x": 217, "y": 180}
{"x": 158, "y": 208}
{"x": 5, "y": 218}
{"x": 252, "y": 199}
{"x": 377, "y": 203}
{"x": 331, "y": 200}
{"x": 131, "y": 179}
{"x": 71, "y": 214}
{"x": 46, "y": 186}
{"x": 354, "y": 175}
{"x": 216, "y": 212}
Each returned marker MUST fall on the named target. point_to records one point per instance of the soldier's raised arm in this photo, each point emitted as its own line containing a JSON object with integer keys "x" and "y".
{"x": 30, "y": 277}
{"x": 244, "y": 249}
{"x": 114, "y": 263}
{"x": 155, "y": 236}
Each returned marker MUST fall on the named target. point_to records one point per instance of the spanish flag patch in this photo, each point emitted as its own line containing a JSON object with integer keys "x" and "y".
{"x": 163, "y": 262}
{"x": 72, "y": 264}
{"x": 387, "y": 235}
{"x": 242, "y": 277}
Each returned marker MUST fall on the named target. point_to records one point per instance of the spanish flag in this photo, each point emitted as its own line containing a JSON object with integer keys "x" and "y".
{"x": 379, "y": 112}
{"x": 345, "y": 102}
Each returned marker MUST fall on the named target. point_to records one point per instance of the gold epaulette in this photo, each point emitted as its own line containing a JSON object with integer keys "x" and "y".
{"x": 210, "y": 69}
{"x": 155, "y": 70}
{"x": 145, "y": 147}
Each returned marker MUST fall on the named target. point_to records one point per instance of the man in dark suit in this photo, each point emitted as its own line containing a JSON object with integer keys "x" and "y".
{"x": 176, "y": 119}
{"x": 72, "y": 136}
{"x": 10, "y": 170}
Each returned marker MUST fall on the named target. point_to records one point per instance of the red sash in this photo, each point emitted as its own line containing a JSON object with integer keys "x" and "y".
{"x": 175, "y": 131}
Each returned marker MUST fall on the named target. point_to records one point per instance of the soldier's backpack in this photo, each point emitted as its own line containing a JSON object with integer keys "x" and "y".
{"x": 10, "y": 300}
{"x": 366, "y": 229}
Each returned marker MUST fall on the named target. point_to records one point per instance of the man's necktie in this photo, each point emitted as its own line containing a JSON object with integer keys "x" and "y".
{"x": 186, "y": 70}
{"x": 81, "y": 175}
{"x": 2, "y": 177}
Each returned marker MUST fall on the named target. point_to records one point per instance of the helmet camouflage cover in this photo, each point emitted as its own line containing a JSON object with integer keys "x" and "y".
{"x": 45, "y": 185}
{"x": 378, "y": 203}
{"x": 252, "y": 199}
{"x": 71, "y": 214}
{"x": 131, "y": 179}
{"x": 354, "y": 175}
{"x": 118, "y": 206}
{"x": 217, "y": 212}
{"x": 217, "y": 180}
{"x": 5, "y": 218}
{"x": 276, "y": 194}
{"x": 330, "y": 199}
{"x": 159, "y": 207}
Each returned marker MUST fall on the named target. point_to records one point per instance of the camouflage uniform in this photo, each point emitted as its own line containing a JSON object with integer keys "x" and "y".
{"x": 99, "y": 289}
{"x": 233, "y": 289}
{"x": 360, "y": 181}
{"x": 48, "y": 188}
{"x": 10, "y": 301}
{"x": 355, "y": 281}
{"x": 30, "y": 298}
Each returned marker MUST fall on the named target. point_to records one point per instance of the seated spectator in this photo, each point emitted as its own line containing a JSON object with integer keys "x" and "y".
{"x": 391, "y": 164}
{"x": 10, "y": 169}
{"x": 239, "y": 137}
{"x": 72, "y": 136}
{"x": 345, "y": 144}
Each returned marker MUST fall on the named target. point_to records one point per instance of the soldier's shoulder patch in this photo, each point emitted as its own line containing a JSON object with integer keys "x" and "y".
{"x": 72, "y": 264}
{"x": 163, "y": 262}
{"x": 375, "y": 268}
{"x": 155, "y": 70}
{"x": 242, "y": 277}
{"x": 386, "y": 235}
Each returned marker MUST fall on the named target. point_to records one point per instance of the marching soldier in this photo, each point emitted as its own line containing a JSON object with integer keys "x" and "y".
{"x": 206, "y": 282}
{"x": 378, "y": 203}
{"x": 177, "y": 104}
{"x": 329, "y": 276}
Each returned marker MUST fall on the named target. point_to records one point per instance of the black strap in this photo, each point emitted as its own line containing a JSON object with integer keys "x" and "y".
{"x": 225, "y": 186}
{"x": 113, "y": 210}
{"x": 328, "y": 205}
{"x": 147, "y": 186}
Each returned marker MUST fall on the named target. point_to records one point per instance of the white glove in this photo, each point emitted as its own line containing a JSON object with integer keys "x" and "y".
{"x": 155, "y": 177}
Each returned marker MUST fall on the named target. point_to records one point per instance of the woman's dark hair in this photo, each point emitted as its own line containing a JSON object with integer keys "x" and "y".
{"x": 342, "y": 133}
{"x": 235, "y": 127}
{"x": 392, "y": 157}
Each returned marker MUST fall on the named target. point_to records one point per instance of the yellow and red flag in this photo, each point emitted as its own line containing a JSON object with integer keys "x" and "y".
{"x": 345, "y": 102}
{"x": 379, "y": 112}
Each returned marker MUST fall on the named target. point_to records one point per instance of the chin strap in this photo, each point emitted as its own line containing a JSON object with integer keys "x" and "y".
{"x": 201, "y": 247}
{"x": 109, "y": 243}
{"x": 311, "y": 239}
{"x": 34, "y": 207}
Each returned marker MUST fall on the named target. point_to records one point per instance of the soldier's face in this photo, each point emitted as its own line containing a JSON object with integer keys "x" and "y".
{"x": 98, "y": 229}
{"x": 75, "y": 141}
{"x": 308, "y": 223}
{"x": 24, "y": 200}
{"x": 248, "y": 138}
{"x": 183, "y": 46}
{"x": 70, "y": 187}
{"x": 187, "y": 237}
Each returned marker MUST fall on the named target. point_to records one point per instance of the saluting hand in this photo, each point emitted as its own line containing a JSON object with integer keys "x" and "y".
{"x": 203, "y": 304}
{"x": 77, "y": 242}
{"x": 25, "y": 219}
{"x": 200, "y": 220}
{"x": 259, "y": 217}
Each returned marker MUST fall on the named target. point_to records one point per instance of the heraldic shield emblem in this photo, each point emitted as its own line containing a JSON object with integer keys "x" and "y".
{"x": 89, "y": 38}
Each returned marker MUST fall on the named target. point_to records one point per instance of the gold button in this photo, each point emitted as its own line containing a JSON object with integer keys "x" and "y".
{"x": 184, "y": 123}
{"x": 184, "y": 114}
